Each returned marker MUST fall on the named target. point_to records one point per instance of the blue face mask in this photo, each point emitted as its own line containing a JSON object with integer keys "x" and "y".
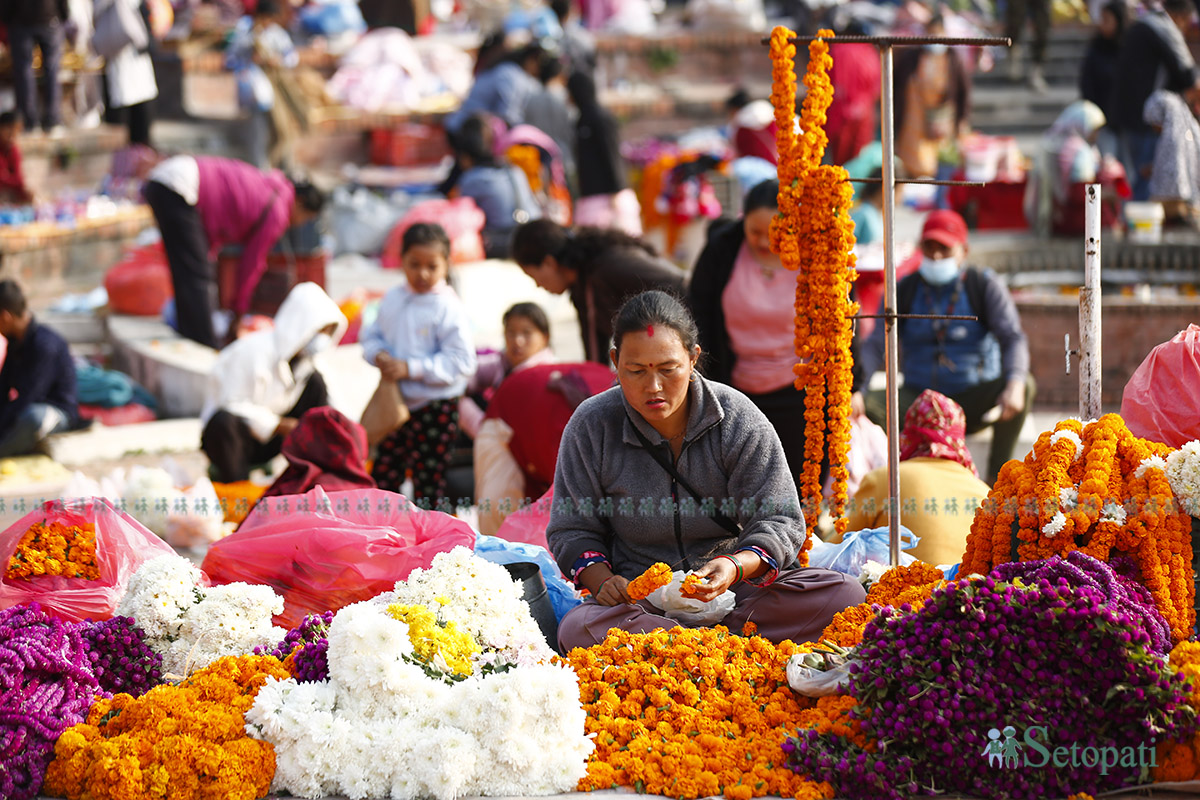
{"x": 938, "y": 271}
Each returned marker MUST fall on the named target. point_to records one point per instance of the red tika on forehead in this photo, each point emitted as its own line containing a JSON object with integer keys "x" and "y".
{"x": 650, "y": 331}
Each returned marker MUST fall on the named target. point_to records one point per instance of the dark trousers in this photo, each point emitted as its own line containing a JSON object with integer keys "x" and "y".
{"x": 192, "y": 275}
{"x": 1015, "y": 23}
{"x": 425, "y": 445}
{"x": 49, "y": 38}
{"x": 137, "y": 117}
{"x": 975, "y": 402}
{"x": 784, "y": 409}
{"x": 232, "y": 448}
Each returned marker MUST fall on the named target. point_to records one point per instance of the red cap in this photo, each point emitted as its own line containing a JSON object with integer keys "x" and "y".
{"x": 945, "y": 227}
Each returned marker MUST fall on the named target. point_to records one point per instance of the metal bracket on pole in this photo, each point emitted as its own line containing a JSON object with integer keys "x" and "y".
{"x": 1067, "y": 351}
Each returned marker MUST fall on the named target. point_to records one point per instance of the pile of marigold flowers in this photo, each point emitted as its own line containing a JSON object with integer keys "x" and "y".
{"x": 183, "y": 742}
{"x": 649, "y": 581}
{"x": 691, "y": 712}
{"x": 908, "y": 585}
{"x": 55, "y": 549}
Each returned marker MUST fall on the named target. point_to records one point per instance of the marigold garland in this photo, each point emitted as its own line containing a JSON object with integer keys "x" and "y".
{"x": 649, "y": 581}
{"x": 912, "y": 585}
{"x": 55, "y": 549}
{"x": 185, "y": 741}
{"x": 814, "y": 236}
{"x": 691, "y": 712}
{"x": 1098, "y": 489}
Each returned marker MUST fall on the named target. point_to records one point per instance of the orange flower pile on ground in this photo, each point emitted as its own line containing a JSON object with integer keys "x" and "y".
{"x": 177, "y": 742}
{"x": 691, "y": 584}
{"x": 1099, "y": 489}
{"x": 814, "y": 235}
{"x": 652, "y": 579}
{"x": 1180, "y": 760}
{"x": 54, "y": 549}
{"x": 913, "y": 584}
{"x": 691, "y": 712}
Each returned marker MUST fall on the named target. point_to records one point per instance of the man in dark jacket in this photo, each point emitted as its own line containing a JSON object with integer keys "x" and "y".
{"x": 37, "y": 22}
{"x": 37, "y": 381}
{"x": 982, "y": 365}
{"x": 1153, "y": 56}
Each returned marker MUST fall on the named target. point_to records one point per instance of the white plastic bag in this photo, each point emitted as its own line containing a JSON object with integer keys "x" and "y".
{"x": 815, "y": 681}
{"x": 687, "y": 611}
{"x": 196, "y": 519}
{"x": 859, "y": 547}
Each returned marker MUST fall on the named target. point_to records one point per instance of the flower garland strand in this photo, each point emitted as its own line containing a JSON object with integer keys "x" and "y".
{"x": 814, "y": 236}
{"x": 650, "y": 581}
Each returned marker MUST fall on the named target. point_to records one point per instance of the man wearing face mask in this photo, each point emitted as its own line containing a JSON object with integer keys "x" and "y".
{"x": 982, "y": 365}
{"x": 264, "y": 382}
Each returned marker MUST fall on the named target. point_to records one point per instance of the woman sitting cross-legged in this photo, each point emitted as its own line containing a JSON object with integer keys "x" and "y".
{"x": 618, "y": 510}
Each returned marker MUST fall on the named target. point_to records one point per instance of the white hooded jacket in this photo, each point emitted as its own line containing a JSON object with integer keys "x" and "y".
{"x": 252, "y": 378}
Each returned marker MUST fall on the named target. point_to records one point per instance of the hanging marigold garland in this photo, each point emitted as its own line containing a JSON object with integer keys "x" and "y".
{"x": 813, "y": 235}
{"x": 1099, "y": 489}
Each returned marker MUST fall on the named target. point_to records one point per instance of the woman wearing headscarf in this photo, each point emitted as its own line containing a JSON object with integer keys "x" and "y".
{"x": 939, "y": 487}
{"x": 1069, "y": 156}
{"x": 605, "y": 199}
{"x": 326, "y": 449}
{"x": 1175, "y": 179}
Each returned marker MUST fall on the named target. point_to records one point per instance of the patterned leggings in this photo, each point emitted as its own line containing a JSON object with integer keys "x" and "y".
{"x": 425, "y": 445}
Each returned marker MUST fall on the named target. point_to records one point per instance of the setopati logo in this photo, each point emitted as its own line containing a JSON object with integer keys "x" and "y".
{"x": 1005, "y": 751}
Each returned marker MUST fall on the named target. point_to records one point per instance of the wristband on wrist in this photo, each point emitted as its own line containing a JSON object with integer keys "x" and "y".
{"x": 741, "y": 573}
{"x": 600, "y": 588}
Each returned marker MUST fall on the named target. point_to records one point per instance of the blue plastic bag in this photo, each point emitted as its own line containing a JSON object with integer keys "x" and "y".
{"x": 859, "y": 547}
{"x": 563, "y": 596}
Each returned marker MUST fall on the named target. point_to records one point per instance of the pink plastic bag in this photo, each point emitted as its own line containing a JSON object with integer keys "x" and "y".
{"x": 322, "y": 551}
{"x": 1162, "y": 399}
{"x": 462, "y": 219}
{"x": 122, "y": 545}
{"x": 528, "y": 525}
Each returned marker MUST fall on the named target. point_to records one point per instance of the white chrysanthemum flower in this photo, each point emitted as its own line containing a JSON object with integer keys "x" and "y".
{"x": 158, "y": 595}
{"x": 1113, "y": 512}
{"x": 1073, "y": 437}
{"x": 1183, "y": 473}
{"x": 230, "y": 620}
{"x": 871, "y": 572}
{"x": 1068, "y": 498}
{"x": 1055, "y": 525}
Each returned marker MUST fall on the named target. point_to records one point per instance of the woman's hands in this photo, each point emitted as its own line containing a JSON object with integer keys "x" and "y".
{"x": 721, "y": 574}
{"x": 608, "y": 588}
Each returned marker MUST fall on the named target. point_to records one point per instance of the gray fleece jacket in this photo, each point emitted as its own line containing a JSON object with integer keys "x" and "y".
{"x": 612, "y": 497}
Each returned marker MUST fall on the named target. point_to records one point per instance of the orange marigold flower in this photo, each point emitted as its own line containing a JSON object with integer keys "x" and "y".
{"x": 691, "y": 584}
{"x": 652, "y": 579}
{"x": 55, "y": 549}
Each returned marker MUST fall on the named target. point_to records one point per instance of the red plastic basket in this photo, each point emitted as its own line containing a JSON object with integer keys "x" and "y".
{"x": 408, "y": 144}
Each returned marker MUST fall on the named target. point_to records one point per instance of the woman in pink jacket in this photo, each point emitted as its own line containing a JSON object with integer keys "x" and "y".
{"x": 201, "y": 204}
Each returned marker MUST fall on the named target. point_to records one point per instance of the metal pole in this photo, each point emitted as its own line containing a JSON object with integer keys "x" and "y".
{"x": 886, "y": 106}
{"x": 1089, "y": 311}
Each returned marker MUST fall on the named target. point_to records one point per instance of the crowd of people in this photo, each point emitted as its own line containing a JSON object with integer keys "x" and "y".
{"x": 687, "y": 382}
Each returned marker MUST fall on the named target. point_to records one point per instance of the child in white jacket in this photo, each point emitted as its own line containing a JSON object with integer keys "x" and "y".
{"x": 422, "y": 338}
{"x": 264, "y": 382}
